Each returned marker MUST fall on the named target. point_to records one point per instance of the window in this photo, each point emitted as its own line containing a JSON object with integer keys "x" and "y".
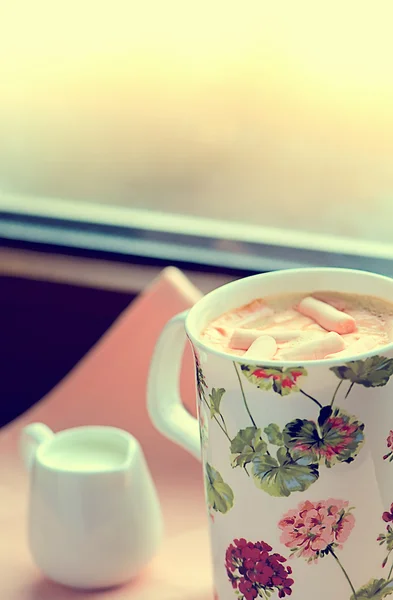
{"x": 250, "y": 135}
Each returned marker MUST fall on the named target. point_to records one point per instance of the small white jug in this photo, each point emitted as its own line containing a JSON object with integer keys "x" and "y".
{"x": 94, "y": 519}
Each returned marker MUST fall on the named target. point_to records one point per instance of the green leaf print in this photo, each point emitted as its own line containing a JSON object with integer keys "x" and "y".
{"x": 386, "y": 539}
{"x": 280, "y": 380}
{"x": 375, "y": 371}
{"x": 215, "y": 401}
{"x": 246, "y": 445}
{"x": 274, "y": 434}
{"x": 219, "y": 494}
{"x": 324, "y": 414}
{"x": 375, "y": 589}
{"x": 338, "y": 439}
{"x": 283, "y": 476}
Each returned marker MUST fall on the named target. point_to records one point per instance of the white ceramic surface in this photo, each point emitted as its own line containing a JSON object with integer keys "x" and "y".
{"x": 94, "y": 515}
{"x": 295, "y": 456}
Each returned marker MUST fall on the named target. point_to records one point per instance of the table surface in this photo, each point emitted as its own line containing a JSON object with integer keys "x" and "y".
{"x": 114, "y": 370}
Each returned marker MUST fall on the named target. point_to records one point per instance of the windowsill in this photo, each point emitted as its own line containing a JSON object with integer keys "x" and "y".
{"x": 94, "y": 273}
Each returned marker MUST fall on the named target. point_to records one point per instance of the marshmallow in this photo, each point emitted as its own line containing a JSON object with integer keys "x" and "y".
{"x": 264, "y": 347}
{"x": 282, "y": 335}
{"x": 315, "y": 349}
{"x": 330, "y": 298}
{"x": 241, "y": 339}
{"x": 327, "y": 316}
{"x": 359, "y": 347}
{"x": 224, "y": 331}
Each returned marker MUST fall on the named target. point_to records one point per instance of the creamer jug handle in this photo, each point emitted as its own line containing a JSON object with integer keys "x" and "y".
{"x": 32, "y": 436}
{"x": 163, "y": 397}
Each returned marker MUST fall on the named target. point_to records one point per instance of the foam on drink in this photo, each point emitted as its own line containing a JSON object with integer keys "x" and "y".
{"x": 309, "y": 326}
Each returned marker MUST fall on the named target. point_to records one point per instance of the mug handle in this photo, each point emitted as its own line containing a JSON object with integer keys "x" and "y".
{"x": 164, "y": 404}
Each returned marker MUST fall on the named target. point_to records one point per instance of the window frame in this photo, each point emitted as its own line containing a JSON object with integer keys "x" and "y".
{"x": 138, "y": 236}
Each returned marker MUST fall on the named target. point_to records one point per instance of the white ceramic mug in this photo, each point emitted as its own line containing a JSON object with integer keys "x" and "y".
{"x": 94, "y": 515}
{"x": 297, "y": 458}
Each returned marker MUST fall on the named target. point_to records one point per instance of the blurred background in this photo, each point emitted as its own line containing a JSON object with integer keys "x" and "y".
{"x": 224, "y": 137}
{"x": 266, "y": 113}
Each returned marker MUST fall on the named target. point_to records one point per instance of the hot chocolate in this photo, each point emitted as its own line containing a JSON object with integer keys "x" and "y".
{"x": 308, "y": 326}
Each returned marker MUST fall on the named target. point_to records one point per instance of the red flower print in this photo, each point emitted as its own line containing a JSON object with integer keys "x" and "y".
{"x": 388, "y": 516}
{"x": 387, "y": 538}
{"x": 296, "y": 374}
{"x": 262, "y": 373}
{"x": 389, "y": 443}
{"x": 286, "y": 381}
{"x": 253, "y": 568}
{"x": 282, "y": 381}
{"x": 314, "y": 529}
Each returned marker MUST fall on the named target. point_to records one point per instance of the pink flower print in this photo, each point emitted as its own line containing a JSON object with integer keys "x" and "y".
{"x": 315, "y": 528}
{"x": 343, "y": 528}
{"x": 389, "y": 443}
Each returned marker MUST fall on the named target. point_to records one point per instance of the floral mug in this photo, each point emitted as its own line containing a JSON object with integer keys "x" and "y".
{"x": 297, "y": 458}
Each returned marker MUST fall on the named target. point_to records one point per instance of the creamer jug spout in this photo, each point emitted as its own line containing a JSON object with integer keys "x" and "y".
{"x": 32, "y": 436}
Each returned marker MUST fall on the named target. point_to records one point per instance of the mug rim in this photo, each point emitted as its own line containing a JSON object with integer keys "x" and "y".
{"x": 191, "y": 317}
